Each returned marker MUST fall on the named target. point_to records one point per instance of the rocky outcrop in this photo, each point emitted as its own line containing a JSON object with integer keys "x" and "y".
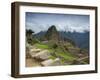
{"x": 43, "y": 55}
{"x": 51, "y": 62}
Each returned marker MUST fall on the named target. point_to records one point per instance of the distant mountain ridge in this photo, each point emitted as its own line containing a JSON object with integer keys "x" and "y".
{"x": 81, "y": 39}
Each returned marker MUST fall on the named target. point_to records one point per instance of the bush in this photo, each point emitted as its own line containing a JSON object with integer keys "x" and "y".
{"x": 34, "y": 41}
{"x": 55, "y": 46}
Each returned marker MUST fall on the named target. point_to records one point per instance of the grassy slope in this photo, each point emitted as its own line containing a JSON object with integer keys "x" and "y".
{"x": 42, "y": 46}
{"x": 66, "y": 56}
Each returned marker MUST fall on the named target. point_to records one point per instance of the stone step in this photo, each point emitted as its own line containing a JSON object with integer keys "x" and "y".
{"x": 51, "y": 62}
{"x": 35, "y": 50}
{"x": 43, "y": 55}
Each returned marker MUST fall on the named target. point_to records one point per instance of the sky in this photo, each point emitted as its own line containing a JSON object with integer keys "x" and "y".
{"x": 63, "y": 22}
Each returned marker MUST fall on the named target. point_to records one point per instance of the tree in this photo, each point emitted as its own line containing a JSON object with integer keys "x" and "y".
{"x": 29, "y": 33}
{"x": 55, "y": 46}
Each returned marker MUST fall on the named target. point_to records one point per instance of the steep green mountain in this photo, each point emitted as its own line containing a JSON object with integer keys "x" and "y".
{"x": 52, "y": 34}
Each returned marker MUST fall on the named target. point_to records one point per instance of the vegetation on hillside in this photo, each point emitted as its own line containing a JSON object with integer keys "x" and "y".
{"x": 62, "y": 48}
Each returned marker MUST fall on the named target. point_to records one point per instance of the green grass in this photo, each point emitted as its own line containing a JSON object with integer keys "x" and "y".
{"x": 41, "y": 46}
{"x": 66, "y": 56}
{"x": 58, "y": 51}
{"x": 52, "y": 57}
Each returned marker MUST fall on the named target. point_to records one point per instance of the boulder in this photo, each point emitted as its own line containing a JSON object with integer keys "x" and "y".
{"x": 51, "y": 62}
{"x": 42, "y": 55}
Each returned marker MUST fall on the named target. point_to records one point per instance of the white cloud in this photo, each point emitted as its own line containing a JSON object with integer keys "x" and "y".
{"x": 41, "y": 22}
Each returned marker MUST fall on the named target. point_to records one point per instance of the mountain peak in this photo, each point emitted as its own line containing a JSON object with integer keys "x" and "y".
{"x": 52, "y": 28}
{"x": 52, "y": 33}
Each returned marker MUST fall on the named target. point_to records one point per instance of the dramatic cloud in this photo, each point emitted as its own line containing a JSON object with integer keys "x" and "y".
{"x": 63, "y": 22}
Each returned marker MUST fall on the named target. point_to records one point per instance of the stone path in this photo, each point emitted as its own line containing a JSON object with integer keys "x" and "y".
{"x": 51, "y": 62}
{"x": 41, "y": 57}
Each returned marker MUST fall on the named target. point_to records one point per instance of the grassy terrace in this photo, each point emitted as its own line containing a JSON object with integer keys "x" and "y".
{"x": 58, "y": 52}
{"x": 41, "y": 46}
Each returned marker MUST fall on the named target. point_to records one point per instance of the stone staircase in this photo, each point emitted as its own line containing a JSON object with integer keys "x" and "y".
{"x": 44, "y": 57}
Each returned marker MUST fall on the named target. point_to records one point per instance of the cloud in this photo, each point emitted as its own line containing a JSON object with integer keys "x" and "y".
{"x": 36, "y": 27}
{"x": 63, "y": 22}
